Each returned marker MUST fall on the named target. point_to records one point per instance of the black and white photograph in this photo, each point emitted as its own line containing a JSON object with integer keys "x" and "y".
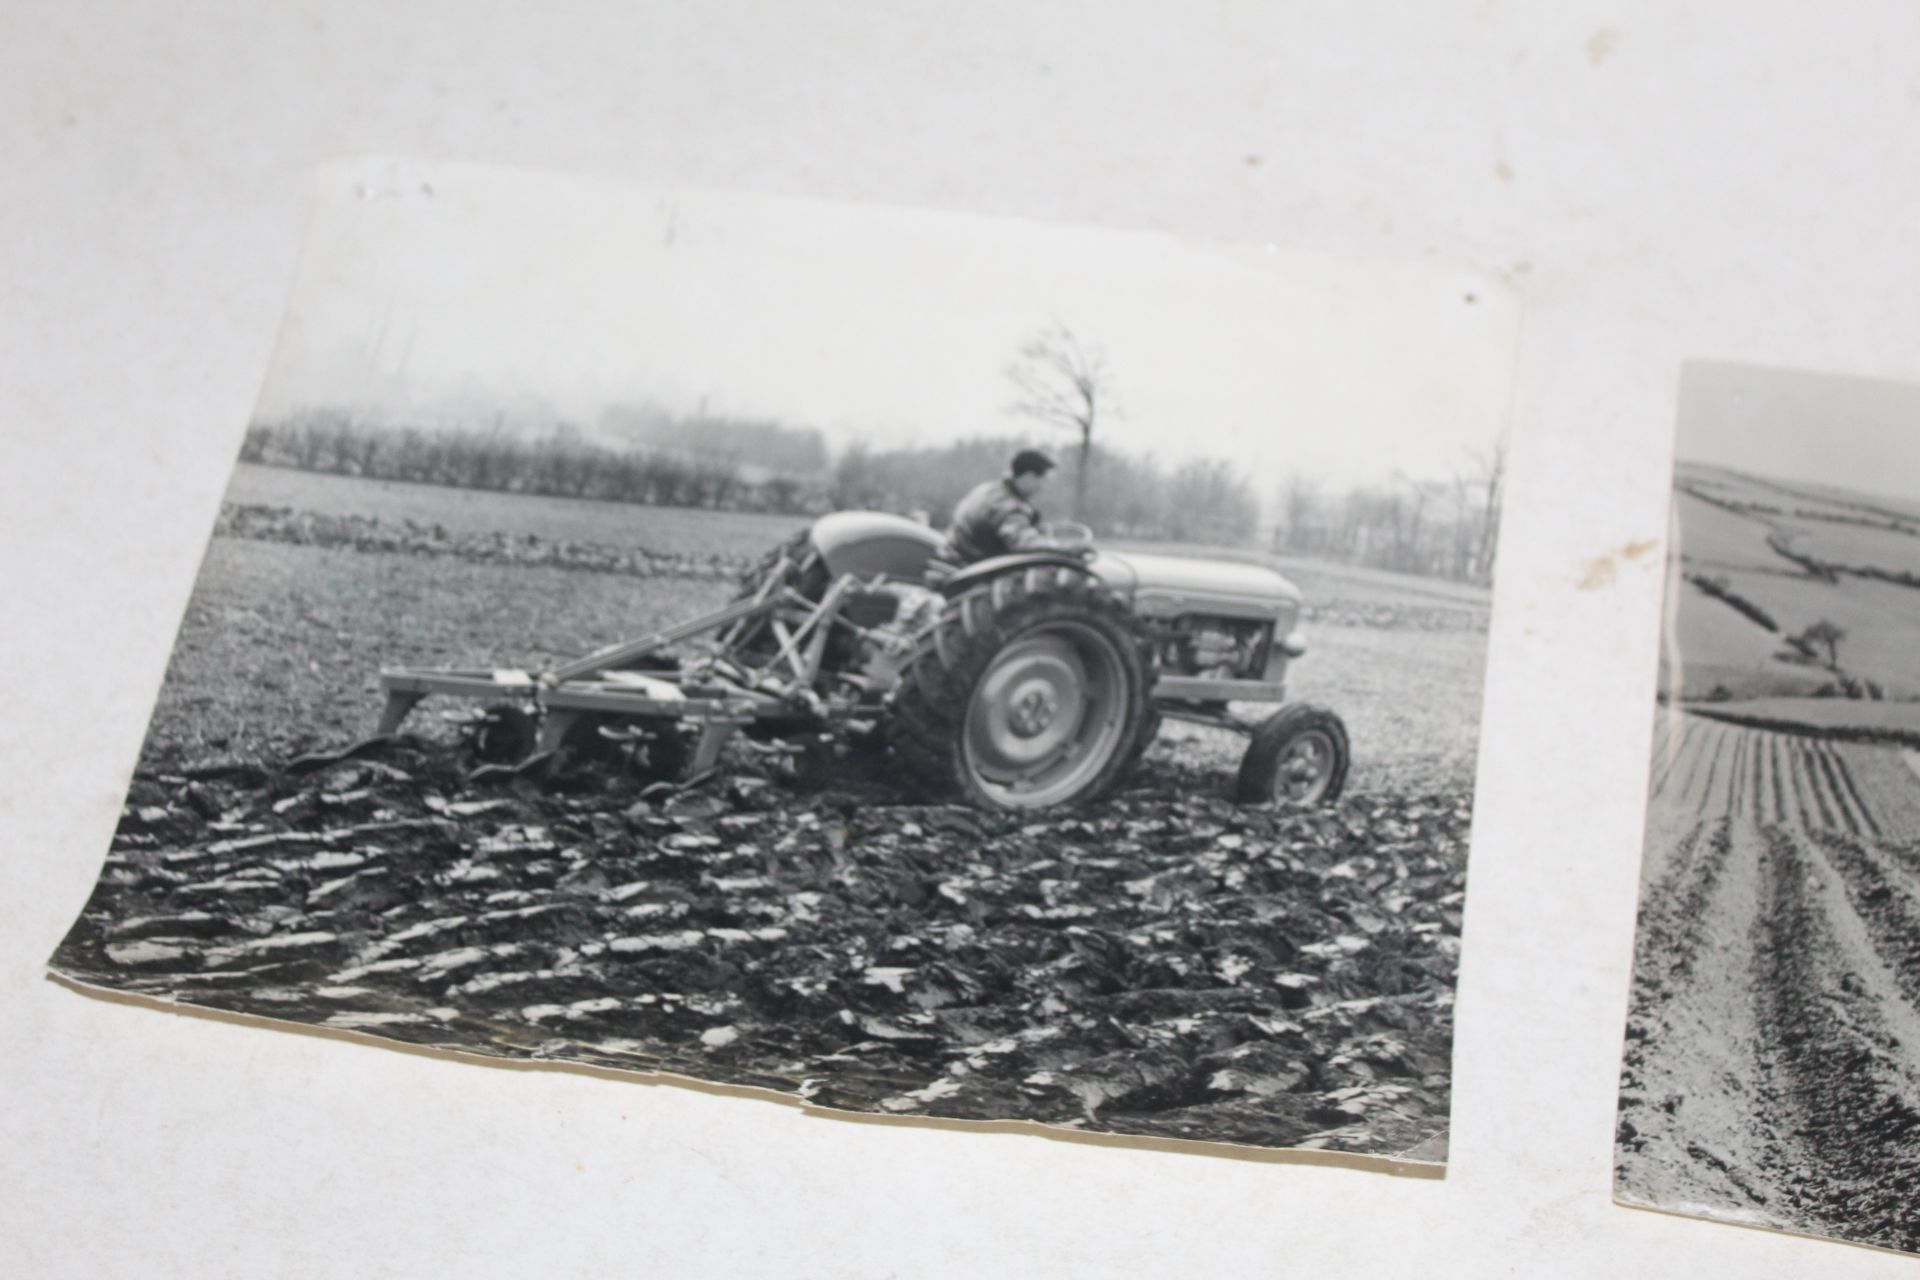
{"x": 936, "y": 666}
{"x": 1772, "y": 1072}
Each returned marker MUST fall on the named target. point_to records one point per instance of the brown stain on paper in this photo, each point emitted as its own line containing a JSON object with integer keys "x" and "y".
{"x": 1603, "y": 569}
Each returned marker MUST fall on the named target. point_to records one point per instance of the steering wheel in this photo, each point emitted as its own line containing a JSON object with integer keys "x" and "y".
{"x": 1069, "y": 535}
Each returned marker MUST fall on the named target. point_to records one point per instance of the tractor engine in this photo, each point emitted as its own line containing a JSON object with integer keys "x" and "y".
{"x": 1213, "y": 647}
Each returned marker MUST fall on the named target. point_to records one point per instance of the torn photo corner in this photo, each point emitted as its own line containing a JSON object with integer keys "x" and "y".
{"x": 1772, "y": 1068}
{"x": 910, "y": 663}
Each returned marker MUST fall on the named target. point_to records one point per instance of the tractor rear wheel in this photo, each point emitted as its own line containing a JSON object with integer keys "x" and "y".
{"x": 1030, "y": 690}
{"x": 1298, "y": 754}
{"x": 1143, "y": 738}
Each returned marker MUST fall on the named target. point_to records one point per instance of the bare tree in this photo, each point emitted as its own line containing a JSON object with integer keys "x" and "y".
{"x": 1209, "y": 500}
{"x": 1465, "y": 530}
{"x": 1408, "y": 521}
{"x": 854, "y": 481}
{"x": 1826, "y": 635}
{"x": 1299, "y": 513}
{"x": 1065, "y": 384}
{"x": 785, "y": 494}
{"x": 257, "y": 443}
{"x": 1490, "y": 479}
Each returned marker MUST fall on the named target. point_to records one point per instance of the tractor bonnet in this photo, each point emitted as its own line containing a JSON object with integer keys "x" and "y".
{"x": 1163, "y": 585}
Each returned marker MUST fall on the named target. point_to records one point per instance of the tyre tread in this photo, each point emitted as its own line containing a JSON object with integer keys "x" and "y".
{"x": 927, "y": 716}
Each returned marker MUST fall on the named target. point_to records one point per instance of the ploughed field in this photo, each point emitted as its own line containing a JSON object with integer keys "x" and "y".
{"x": 1163, "y": 963}
{"x": 1772, "y": 1070}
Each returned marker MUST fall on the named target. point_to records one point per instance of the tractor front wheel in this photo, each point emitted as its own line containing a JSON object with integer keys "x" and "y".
{"x": 1030, "y": 690}
{"x": 1298, "y": 755}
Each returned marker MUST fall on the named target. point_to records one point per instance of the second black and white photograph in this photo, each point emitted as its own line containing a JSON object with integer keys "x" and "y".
{"x": 1772, "y": 1073}
{"x": 905, "y": 663}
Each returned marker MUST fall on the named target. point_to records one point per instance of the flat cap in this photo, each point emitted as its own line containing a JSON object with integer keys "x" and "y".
{"x": 1032, "y": 462}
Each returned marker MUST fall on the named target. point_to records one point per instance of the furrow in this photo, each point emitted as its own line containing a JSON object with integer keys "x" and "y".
{"x": 1844, "y": 792}
{"x": 1671, "y": 911}
{"x": 1699, "y": 739}
{"x": 1809, "y": 787}
{"x": 1737, "y": 789}
{"x": 1842, "y": 1089}
{"x": 1786, "y": 802}
{"x": 1691, "y": 1114}
{"x": 1885, "y": 895}
{"x": 1671, "y": 730}
{"x": 1886, "y": 787}
{"x": 1817, "y": 785}
{"x": 1710, "y": 789}
{"x": 1757, "y": 789}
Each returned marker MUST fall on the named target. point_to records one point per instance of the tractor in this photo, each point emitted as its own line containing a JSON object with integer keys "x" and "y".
{"x": 1023, "y": 681}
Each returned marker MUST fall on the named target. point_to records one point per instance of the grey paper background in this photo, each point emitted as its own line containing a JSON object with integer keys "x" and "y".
{"x": 1665, "y": 181}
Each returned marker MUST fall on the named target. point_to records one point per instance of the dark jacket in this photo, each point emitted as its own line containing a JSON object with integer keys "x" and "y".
{"x": 992, "y": 520}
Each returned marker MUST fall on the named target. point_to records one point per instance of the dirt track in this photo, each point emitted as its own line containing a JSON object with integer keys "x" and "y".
{"x": 1773, "y": 1060}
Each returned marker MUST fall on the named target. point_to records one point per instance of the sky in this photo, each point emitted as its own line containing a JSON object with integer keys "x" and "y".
{"x": 438, "y": 289}
{"x": 1858, "y": 433}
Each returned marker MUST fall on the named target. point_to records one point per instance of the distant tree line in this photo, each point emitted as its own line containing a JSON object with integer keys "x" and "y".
{"x": 756, "y": 445}
{"x": 755, "y": 466}
{"x": 561, "y": 463}
{"x": 1444, "y": 528}
{"x": 1441, "y": 528}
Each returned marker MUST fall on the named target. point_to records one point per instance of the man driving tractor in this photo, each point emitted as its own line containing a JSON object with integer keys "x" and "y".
{"x": 997, "y": 517}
